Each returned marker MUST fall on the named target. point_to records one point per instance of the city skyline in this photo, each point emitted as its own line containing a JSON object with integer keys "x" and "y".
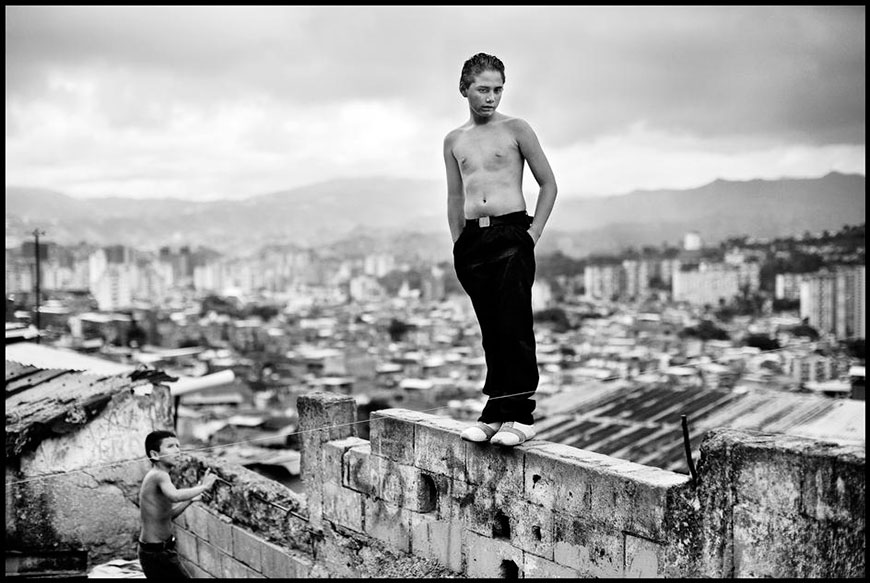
{"x": 232, "y": 102}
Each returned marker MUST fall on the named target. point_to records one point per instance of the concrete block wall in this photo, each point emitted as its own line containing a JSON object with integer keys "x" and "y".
{"x": 211, "y": 546}
{"x": 250, "y": 526}
{"x": 538, "y": 510}
{"x": 416, "y": 501}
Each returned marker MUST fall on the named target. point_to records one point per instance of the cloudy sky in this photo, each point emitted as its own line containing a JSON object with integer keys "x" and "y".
{"x": 231, "y": 102}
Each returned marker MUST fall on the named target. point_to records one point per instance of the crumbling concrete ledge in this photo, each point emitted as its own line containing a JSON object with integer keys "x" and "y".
{"x": 781, "y": 506}
{"x": 417, "y": 501}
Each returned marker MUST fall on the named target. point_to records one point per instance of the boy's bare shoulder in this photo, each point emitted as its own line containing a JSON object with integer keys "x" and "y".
{"x": 517, "y": 124}
{"x": 453, "y": 134}
{"x": 154, "y": 477}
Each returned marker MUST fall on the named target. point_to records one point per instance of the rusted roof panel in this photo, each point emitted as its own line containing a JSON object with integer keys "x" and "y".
{"x": 31, "y": 379}
{"x": 45, "y": 402}
{"x": 15, "y": 370}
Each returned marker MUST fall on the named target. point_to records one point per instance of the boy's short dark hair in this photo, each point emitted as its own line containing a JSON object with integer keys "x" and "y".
{"x": 476, "y": 65}
{"x": 154, "y": 440}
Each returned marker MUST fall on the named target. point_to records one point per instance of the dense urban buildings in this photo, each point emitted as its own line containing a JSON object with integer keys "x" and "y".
{"x": 716, "y": 321}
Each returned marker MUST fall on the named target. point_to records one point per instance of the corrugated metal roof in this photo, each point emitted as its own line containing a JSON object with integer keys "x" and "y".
{"x": 45, "y": 357}
{"x": 45, "y": 402}
{"x": 643, "y": 425}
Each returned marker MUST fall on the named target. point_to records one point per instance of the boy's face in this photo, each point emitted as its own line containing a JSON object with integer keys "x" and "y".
{"x": 169, "y": 450}
{"x": 484, "y": 93}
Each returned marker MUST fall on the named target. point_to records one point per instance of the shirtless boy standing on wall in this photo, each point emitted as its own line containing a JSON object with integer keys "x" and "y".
{"x": 494, "y": 240}
{"x": 159, "y": 502}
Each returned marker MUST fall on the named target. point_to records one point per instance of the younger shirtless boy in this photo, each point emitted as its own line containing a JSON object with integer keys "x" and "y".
{"x": 494, "y": 240}
{"x": 159, "y": 503}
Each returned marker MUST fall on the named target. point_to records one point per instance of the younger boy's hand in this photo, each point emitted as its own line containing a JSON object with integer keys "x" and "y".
{"x": 208, "y": 479}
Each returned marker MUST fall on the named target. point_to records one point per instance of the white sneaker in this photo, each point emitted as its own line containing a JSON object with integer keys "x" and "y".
{"x": 512, "y": 433}
{"x": 480, "y": 432}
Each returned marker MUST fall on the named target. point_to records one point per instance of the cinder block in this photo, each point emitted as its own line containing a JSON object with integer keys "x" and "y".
{"x": 343, "y": 506}
{"x": 210, "y": 558}
{"x": 642, "y": 558}
{"x": 333, "y": 457}
{"x": 198, "y": 519}
{"x": 220, "y": 532}
{"x": 302, "y": 564}
{"x": 233, "y": 569}
{"x": 499, "y": 468}
{"x": 280, "y": 563}
{"x": 615, "y": 493}
{"x": 610, "y": 498}
{"x": 185, "y": 545}
{"x": 532, "y": 527}
{"x": 489, "y": 558}
{"x": 405, "y": 486}
{"x": 649, "y": 503}
{"x": 335, "y": 560}
{"x": 420, "y": 534}
{"x": 195, "y": 571}
{"x": 247, "y": 548}
{"x": 439, "y": 449}
{"x": 180, "y": 520}
{"x": 454, "y": 496}
{"x": 392, "y": 434}
{"x": 478, "y": 510}
{"x": 539, "y": 568}
{"x": 323, "y": 417}
{"x": 588, "y": 548}
{"x": 388, "y": 523}
{"x": 358, "y": 469}
{"x": 440, "y": 540}
{"x": 555, "y": 477}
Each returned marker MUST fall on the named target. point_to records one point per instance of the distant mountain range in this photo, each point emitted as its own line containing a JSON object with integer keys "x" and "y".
{"x": 371, "y": 214}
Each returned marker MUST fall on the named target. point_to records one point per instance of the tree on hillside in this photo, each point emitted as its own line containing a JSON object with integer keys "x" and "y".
{"x": 704, "y": 331}
{"x": 804, "y": 329}
{"x": 556, "y": 316}
{"x": 761, "y": 341}
{"x": 557, "y": 263}
{"x": 397, "y": 329}
{"x": 855, "y": 348}
{"x": 220, "y": 305}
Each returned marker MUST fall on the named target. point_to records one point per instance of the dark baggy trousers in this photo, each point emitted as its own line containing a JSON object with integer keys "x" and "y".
{"x": 496, "y": 267}
{"x": 162, "y": 564}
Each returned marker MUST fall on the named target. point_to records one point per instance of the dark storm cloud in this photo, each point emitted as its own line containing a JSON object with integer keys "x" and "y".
{"x": 794, "y": 72}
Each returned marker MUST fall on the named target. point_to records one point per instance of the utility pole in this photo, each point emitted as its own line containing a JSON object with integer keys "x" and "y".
{"x": 36, "y": 234}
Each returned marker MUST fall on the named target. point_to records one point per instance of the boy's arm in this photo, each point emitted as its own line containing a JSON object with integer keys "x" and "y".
{"x": 182, "y": 506}
{"x": 531, "y": 150}
{"x": 455, "y": 192}
{"x": 165, "y": 486}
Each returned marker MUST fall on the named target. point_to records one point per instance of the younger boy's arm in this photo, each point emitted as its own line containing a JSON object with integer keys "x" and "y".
{"x": 164, "y": 484}
{"x": 182, "y": 506}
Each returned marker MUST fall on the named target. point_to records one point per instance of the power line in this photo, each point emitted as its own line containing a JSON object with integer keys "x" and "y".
{"x": 36, "y": 233}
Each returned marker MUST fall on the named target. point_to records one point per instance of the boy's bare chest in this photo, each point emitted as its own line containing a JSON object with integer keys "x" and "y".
{"x": 490, "y": 151}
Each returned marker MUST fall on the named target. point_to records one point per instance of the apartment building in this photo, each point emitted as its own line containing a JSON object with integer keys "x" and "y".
{"x": 834, "y": 301}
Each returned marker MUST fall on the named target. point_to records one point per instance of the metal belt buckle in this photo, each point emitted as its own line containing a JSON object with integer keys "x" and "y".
{"x": 483, "y": 221}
